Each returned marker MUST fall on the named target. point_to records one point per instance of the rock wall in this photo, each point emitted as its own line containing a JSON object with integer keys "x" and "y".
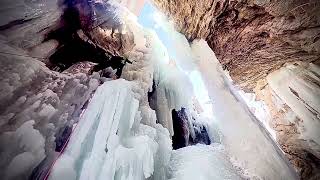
{"x": 251, "y": 38}
{"x": 292, "y": 95}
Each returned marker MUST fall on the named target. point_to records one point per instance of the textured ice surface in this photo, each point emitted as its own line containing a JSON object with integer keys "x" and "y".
{"x": 35, "y": 103}
{"x": 298, "y": 86}
{"x": 118, "y": 138}
{"x": 201, "y": 162}
{"x": 243, "y": 138}
{"x": 32, "y": 144}
{"x": 135, "y": 6}
{"x": 150, "y": 65}
{"x": 105, "y": 145}
{"x": 259, "y": 109}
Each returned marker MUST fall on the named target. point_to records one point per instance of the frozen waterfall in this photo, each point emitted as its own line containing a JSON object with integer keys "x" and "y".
{"x": 212, "y": 100}
{"x": 120, "y": 137}
{"x": 245, "y": 139}
{"x": 106, "y": 144}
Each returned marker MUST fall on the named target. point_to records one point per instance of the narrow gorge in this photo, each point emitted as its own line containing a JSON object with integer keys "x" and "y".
{"x": 159, "y": 89}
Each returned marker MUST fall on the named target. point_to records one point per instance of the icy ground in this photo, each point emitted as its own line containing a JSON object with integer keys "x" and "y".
{"x": 201, "y": 162}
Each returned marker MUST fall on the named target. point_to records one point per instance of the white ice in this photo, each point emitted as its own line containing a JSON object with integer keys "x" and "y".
{"x": 32, "y": 145}
{"x": 117, "y": 138}
{"x": 201, "y": 162}
{"x": 104, "y": 145}
{"x": 244, "y": 139}
{"x": 297, "y": 86}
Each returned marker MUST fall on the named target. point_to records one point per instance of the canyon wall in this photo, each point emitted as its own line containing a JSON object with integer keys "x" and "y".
{"x": 251, "y": 38}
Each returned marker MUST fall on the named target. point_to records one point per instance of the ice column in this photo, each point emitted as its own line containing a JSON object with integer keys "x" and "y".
{"x": 244, "y": 139}
{"x": 105, "y": 144}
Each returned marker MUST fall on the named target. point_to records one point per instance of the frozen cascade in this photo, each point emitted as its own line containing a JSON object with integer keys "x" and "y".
{"x": 170, "y": 84}
{"x": 248, "y": 145}
{"x": 118, "y": 137}
{"x": 245, "y": 143}
{"x": 105, "y": 145}
{"x": 297, "y": 85}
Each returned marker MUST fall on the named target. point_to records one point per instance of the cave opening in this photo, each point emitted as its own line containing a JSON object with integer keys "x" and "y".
{"x": 75, "y": 45}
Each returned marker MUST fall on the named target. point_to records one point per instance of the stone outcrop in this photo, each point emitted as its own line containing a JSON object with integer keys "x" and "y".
{"x": 251, "y": 38}
{"x": 290, "y": 93}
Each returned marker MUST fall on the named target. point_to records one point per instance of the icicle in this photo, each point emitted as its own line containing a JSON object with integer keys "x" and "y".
{"x": 105, "y": 146}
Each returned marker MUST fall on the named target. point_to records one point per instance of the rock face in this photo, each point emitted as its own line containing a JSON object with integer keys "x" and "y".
{"x": 301, "y": 152}
{"x": 251, "y": 38}
{"x": 292, "y": 95}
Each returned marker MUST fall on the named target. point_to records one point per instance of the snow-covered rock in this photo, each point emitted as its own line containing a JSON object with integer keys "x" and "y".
{"x": 36, "y": 104}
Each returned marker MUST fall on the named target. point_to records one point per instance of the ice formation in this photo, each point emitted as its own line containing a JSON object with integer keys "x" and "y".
{"x": 172, "y": 88}
{"x": 45, "y": 102}
{"x": 33, "y": 144}
{"x": 119, "y": 136}
{"x": 105, "y": 144}
{"x": 203, "y": 162}
{"x": 134, "y": 6}
{"x": 259, "y": 109}
{"x": 126, "y": 142}
{"x": 230, "y": 115}
{"x": 296, "y": 85}
{"x": 244, "y": 140}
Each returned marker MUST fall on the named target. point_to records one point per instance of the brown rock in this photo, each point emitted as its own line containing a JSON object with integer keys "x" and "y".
{"x": 297, "y": 150}
{"x": 251, "y": 38}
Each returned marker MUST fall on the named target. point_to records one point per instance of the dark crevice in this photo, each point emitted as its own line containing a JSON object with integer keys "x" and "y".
{"x": 41, "y": 171}
{"x": 151, "y": 96}
{"x": 294, "y": 92}
{"x": 63, "y": 138}
{"x": 201, "y": 135}
{"x": 182, "y": 136}
{"x": 15, "y": 23}
{"x": 74, "y": 46}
